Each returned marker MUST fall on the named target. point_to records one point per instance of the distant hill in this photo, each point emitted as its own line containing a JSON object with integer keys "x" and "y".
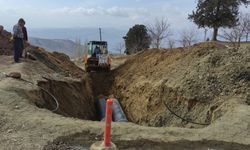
{"x": 60, "y": 45}
{"x": 112, "y": 35}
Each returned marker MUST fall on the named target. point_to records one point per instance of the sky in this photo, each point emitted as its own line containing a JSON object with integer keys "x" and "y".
{"x": 94, "y": 13}
{"x": 118, "y": 14}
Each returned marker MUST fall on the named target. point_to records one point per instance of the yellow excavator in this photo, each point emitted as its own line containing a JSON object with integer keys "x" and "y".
{"x": 97, "y": 57}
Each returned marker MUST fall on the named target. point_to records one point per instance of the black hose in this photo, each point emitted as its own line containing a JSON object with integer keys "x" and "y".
{"x": 187, "y": 120}
{"x": 57, "y": 104}
{"x": 53, "y": 97}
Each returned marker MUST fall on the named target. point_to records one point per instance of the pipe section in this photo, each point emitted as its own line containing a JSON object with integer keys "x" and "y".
{"x": 101, "y": 107}
{"x": 118, "y": 114}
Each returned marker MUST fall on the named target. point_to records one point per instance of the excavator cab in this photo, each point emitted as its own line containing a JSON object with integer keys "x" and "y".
{"x": 97, "y": 61}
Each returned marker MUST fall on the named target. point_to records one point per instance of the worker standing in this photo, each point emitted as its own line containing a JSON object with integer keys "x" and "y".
{"x": 18, "y": 39}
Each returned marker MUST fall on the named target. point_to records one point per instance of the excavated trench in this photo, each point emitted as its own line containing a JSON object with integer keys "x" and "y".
{"x": 156, "y": 93}
{"x": 147, "y": 102}
{"x": 162, "y": 107}
{"x": 76, "y": 98}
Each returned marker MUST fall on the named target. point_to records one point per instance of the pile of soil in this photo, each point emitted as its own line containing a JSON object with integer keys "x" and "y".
{"x": 6, "y": 44}
{"x": 56, "y": 61}
{"x": 194, "y": 83}
{"x": 68, "y": 83}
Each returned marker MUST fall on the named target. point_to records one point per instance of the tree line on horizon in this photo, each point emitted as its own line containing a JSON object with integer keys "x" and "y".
{"x": 213, "y": 14}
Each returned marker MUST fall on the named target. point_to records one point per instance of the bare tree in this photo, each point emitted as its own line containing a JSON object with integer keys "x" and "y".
{"x": 245, "y": 21}
{"x": 236, "y": 33}
{"x": 188, "y": 37}
{"x": 171, "y": 43}
{"x": 84, "y": 52}
{"x": 78, "y": 48}
{"x": 159, "y": 31}
{"x": 120, "y": 47}
{"x": 205, "y": 34}
{"x": 183, "y": 42}
{"x": 85, "y": 47}
{"x": 233, "y": 35}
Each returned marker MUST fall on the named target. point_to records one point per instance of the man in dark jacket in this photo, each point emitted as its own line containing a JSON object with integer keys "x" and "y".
{"x": 18, "y": 39}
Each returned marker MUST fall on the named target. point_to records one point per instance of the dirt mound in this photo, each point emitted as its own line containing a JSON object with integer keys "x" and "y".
{"x": 210, "y": 45}
{"x": 66, "y": 84}
{"x": 58, "y": 62}
{"x": 194, "y": 83}
{"x": 6, "y": 44}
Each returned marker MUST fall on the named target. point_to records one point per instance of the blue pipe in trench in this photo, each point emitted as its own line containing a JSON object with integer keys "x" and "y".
{"x": 117, "y": 113}
{"x": 101, "y": 108}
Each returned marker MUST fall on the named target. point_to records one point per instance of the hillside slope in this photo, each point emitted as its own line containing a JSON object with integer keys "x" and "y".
{"x": 60, "y": 45}
{"x": 196, "y": 83}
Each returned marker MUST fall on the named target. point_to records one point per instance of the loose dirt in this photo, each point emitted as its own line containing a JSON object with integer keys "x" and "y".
{"x": 6, "y": 43}
{"x": 207, "y": 83}
{"x": 196, "y": 83}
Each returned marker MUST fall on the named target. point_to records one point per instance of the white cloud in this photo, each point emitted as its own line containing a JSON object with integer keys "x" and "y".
{"x": 112, "y": 14}
{"x": 97, "y": 11}
{"x": 120, "y": 12}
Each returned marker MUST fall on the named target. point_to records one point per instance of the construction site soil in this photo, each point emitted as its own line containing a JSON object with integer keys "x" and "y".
{"x": 195, "y": 98}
